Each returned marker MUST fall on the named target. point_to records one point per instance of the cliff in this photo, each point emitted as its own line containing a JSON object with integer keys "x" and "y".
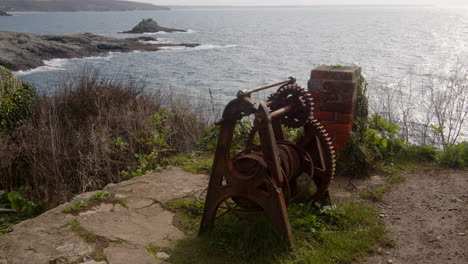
{"x": 73, "y": 5}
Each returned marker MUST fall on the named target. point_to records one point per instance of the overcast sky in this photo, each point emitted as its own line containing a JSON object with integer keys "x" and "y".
{"x": 306, "y": 2}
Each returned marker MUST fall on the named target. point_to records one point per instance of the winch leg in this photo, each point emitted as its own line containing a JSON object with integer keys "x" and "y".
{"x": 275, "y": 208}
{"x": 220, "y": 170}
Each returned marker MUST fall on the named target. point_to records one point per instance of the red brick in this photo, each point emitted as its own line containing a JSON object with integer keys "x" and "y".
{"x": 336, "y": 107}
{"x": 339, "y": 128}
{"x": 345, "y": 118}
{"x": 338, "y": 146}
{"x": 324, "y": 116}
{"x": 340, "y": 87}
{"x": 336, "y": 73}
{"x": 318, "y": 95}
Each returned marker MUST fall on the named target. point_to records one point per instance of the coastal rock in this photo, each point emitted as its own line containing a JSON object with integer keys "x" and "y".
{"x": 150, "y": 26}
{"x": 121, "y": 234}
{"x": 4, "y": 14}
{"x": 24, "y": 51}
{"x": 143, "y": 39}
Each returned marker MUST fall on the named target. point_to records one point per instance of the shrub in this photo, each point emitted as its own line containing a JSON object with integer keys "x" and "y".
{"x": 418, "y": 153}
{"x": 455, "y": 156}
{"x": 88, "y": 132}
{"x": 210, "y": 138}
{"x": 16, "y": 99}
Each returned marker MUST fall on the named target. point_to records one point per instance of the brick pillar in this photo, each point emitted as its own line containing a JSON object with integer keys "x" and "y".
{"x": 334, "y": 89}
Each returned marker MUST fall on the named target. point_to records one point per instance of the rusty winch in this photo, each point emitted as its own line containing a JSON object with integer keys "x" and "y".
{"x": 265, "y": 175}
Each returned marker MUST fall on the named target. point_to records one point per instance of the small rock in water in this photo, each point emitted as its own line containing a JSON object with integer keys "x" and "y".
{"x": 162, "y": 255}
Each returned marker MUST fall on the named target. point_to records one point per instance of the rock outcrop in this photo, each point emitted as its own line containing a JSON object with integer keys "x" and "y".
{"x": 143, "y": 39}
{"x": 120, "y": 232}
{"x": 4, "y": 13}
{"x": 150, "y": 26}
{"x": 24, "y": 51}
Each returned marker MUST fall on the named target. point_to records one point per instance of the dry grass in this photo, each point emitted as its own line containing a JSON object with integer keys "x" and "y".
{"x": 84, "y": 135}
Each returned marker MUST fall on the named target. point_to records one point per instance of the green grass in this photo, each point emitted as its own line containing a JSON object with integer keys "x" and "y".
{"x": 99, "y": 196}
{"x": 99, "y": 243}
{"x": 394, "y": 175}
{"x": 188, "y": 214}
{"x": 87, "y": 236}
{"x": 323, "y": 234}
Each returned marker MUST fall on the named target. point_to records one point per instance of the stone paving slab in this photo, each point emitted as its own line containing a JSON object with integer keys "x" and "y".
{"x": 143, "y": 221}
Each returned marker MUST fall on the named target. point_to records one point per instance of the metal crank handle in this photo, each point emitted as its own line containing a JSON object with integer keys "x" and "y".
{"x": 247, "y": 93}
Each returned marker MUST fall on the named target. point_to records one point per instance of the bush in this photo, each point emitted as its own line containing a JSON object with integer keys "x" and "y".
{"x": 16, "y": 100}
{"x": 418, "y": 153}
{"x": 455, "y": 156}
{"x": 372, "y": 139}
{"x": 209, "y": 140}
{"x": 88, "y": 132}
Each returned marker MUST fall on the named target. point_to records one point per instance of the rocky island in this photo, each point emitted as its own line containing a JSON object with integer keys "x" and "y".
{"x": 4, "y": 13}
{"x": 24, "y": 51}
{"x": 150, "y": 26}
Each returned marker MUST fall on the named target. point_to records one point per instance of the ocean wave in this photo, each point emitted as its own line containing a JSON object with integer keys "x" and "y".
{"x": 211, "y": 46}
{"x": 59, "y": 64}
{"x": 50, "y": 65}
{"x": 159, "y": 41}
{"x": 189, "y": 31}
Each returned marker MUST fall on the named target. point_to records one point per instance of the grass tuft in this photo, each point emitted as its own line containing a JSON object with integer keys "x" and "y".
{"x": 323, "y": 234}
{"x": 97, "y": 198}
{"x": 394, "y": 176}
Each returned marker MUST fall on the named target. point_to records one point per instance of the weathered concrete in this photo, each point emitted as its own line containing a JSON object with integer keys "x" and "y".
{"x": 143, "y": 221}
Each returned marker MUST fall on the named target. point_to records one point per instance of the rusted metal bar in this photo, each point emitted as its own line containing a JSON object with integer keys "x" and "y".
{"x": 282, "y": 111}
{"x": 247, "y": 93}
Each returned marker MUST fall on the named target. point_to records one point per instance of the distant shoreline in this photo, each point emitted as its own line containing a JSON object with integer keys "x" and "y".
{"x": 26, "y": 51}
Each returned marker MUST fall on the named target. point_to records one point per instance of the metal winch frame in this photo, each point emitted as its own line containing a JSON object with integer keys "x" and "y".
{"x": 264, "y": 177}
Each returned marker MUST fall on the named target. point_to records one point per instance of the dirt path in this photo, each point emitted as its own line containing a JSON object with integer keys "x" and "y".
{"x": 427, "y": 217}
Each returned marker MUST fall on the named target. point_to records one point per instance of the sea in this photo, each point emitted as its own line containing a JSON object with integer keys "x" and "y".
{"x": 245, "y": 47}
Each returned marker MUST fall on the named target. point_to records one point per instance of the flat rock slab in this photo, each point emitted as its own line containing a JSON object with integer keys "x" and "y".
{"x": 129, "y": 229}
{"x": 161, "y": 187}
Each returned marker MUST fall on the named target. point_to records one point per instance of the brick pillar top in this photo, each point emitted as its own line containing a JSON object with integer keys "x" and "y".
{"x": 332, "y": 73}
{"x": 334, "y": 89}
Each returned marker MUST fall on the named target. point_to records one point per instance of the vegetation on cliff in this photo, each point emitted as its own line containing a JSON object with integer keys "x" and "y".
{"x": 73, "y": 5}
{"x": 91, "y": 132}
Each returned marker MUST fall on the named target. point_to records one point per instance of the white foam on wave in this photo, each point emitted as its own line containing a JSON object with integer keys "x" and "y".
{"x": 50, "y": 65}
{"x": 59, "y": 64}
{"x": 189, "y": 31}
{"x": 159, "y": 41}
{"x": 211, "y": 46}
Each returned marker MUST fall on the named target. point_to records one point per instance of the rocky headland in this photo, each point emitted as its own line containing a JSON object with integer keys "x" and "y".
{"x": 150, "y": 26}
{"x": 4, "y": 13}
{"x": 24, "y": 51}
{"x": 75, "y": 6}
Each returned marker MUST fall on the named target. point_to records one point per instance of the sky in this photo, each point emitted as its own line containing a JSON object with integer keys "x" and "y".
{"x": 307, "y": 2}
